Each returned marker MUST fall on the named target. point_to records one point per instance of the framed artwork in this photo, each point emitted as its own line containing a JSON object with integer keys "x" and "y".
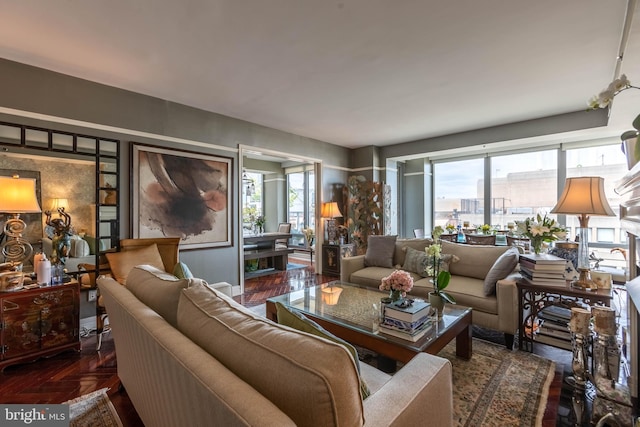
{"x": 181, "y": 194}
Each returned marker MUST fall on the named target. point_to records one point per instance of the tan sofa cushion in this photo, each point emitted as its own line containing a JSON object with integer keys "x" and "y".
{"x": 121, "y": 263}
{"x": 475, "y": 260}
{"x": 158, "y": 289}
{"x": 313, "y": 380}
{"x": 299, "y": 321}
{"x": 470, "y": 292}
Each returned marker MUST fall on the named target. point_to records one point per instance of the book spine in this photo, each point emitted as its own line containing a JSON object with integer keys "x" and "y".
{"x": 404, "y": 316}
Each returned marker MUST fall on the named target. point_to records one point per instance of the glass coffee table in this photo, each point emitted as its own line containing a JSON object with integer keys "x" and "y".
{"x": 352, "y": 312}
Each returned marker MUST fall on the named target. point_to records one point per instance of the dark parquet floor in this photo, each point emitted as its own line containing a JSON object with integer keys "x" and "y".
{"x": 69, "y": 375}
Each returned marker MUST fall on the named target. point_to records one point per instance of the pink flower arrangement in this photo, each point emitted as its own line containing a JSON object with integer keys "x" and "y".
{"x": 399, "y": 280}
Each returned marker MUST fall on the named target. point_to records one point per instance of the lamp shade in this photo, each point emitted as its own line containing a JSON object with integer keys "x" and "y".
{"x": 18, "y": 195}
{"x": 330, "y": 210}
{"x": 59, "y": 203}
{"x": 583, "y": 195}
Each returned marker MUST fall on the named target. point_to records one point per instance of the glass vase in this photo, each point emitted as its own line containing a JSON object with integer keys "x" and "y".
{"x": 395, "y": 295}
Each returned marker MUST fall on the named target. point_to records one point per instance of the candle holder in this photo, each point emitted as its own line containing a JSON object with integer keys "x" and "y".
{"x": 579, "y": 367}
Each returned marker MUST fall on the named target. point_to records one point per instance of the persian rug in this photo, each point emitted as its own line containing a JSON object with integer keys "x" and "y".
{"x": 498, "y": 387}
{"x": 93, "y": 410}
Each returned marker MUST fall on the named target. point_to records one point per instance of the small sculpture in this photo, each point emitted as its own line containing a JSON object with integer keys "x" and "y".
{"x": 62, "y": 236}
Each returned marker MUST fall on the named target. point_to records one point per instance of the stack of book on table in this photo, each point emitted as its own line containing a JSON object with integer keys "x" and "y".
{"x": 543, "y": 269}
{"x": 409, "y": 323}
{"x": 554, "y": 326}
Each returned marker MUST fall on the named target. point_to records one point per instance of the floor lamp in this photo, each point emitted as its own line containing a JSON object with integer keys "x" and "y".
{"x": 330, "y": 212}
{"x": 17, "y": 195}
{"x": 583, "y": 196}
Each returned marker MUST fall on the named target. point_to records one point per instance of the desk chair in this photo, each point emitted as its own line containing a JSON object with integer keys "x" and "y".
{"x": 522, "y": 243}
{"x": 480, "y": 239}
{"x": 283, "y": 227}
{"x": 168, "y": 249}
{"x": 449, "y": 237}
{"x": 418, "y": 233}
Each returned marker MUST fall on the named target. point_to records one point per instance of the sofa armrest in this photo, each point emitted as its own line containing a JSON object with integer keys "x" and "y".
{"x": 507, "y": 295}
{"x": 421, "y": 392}
{"x": 223, "y": 287}
{"x": 350, "y": 265}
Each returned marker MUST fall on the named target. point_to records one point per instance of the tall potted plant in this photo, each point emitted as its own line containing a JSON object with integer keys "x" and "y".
{"x": 438, "y": 297}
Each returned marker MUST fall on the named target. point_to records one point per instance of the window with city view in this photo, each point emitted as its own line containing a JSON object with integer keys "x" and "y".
{"x": 523, "y": 185}
{"x": 458, "y": 192}
{"x": 301, "y": 190}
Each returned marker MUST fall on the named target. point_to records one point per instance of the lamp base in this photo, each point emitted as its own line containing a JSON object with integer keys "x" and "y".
{"x": 584, "y": 281}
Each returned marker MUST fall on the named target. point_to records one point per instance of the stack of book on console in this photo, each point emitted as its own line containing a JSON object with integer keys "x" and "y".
{"x": 554, "y": 326}
{"x": 543, "y": 269}
{"x": 409, "y": 323}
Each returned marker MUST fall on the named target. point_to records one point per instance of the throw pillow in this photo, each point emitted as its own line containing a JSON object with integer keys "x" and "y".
{"x": 121, "y": 263}
{"x": 94, "y": 244}
{"x": 445, "y": 262}
{"x": 380, "y": 251}
{"x": 504, "y": 265}
{"x": 181, "y": 271}
{"x": 79, "y": 247}
{"x": 299, "y": 321}
{"x": 415, "y": 261}
{"x": 158, "y": 289}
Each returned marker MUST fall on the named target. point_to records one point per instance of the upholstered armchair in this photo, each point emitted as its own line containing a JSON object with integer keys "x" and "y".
{"x": 283, "y": 227}
{"x": 119, "y": 264}
{"x": 480, "y": 239}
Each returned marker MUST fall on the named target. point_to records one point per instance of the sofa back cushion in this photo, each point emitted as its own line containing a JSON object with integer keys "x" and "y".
{"x": 158, "y": 290}
{"x": 313, "y": 380}
{"x": 399, "y": 255}
{"x": 474, "y": 260}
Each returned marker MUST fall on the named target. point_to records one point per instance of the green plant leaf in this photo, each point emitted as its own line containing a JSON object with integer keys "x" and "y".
{"x": 629, "y": 134}
{"x": 448, "y": 297}
{"x": 443, "y": 280}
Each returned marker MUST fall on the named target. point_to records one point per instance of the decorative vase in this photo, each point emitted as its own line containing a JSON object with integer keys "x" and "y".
{"x": 536, "y": 244}
{"x": 395, "y": 295}
{"x": 437, "y": 302}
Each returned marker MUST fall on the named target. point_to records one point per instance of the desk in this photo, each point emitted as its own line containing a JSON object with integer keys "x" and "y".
{"x": 263, "y": 247}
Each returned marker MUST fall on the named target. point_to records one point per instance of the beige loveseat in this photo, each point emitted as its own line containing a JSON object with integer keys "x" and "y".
{"x": 190, "y": 355}
{"x": 469, "y": 265}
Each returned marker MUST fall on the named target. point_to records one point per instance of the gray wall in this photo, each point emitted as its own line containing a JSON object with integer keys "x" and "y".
{"x": 81, "y": 106}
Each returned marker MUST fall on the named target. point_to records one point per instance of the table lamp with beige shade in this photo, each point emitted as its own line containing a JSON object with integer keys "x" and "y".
{"x": 583, "y": 196}
{"x": 330, "y": 212}
{"x": 17, "y": 196}
{"x": 59, "y": 203}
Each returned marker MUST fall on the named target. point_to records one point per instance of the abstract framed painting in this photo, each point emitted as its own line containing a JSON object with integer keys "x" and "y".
{"x": 181, "y": 194}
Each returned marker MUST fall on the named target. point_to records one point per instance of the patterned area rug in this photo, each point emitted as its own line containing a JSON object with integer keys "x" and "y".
{"x": 498, "y": 387}
{"x": 93, "y": 410}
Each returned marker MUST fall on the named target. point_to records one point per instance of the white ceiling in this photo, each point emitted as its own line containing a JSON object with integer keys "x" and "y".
{"x": 349, "y": 72}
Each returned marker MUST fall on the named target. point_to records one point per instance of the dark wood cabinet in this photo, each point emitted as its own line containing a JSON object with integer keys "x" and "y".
{"x": 39, "y": 322}
{"x": 331, "y": 254}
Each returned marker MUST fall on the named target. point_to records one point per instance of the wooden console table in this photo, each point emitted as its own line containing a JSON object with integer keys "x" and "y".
{"x": 533, "y": 298}
{"x": 263, "y": 246}
{"x": 39, "y": 322}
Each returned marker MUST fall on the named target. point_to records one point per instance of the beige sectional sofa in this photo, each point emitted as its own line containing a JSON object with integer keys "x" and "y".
{"x": 190, "y": 355}
{"x": 494, "y": 300}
